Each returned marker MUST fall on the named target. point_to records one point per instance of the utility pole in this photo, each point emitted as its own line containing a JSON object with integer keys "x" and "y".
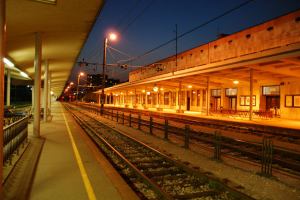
{"x": 103, "y": 76}
{"x": 176, "y": 49}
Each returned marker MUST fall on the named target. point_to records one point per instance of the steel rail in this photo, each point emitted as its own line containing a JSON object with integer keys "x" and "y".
{"x": 175, "y": 163}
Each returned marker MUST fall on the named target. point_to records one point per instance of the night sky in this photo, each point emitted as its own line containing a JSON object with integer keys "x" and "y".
{"x": 145, "y": 24}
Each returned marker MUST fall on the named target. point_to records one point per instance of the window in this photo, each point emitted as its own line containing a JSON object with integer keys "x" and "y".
{"x": 271, "y": 90}
{"x": 216, "y": 92}
{"x": 231, "y": 91}
{"x": 292, "y": 101}
{"x": 245, "y": 100}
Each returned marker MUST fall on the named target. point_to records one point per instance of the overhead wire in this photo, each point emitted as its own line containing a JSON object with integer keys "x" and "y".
{"x": 128, "y": 13}
{"x": 137, "y": 16}
{"x": 119, "y": 51}
{"x": 193, "y": 29}
{"x": 95, "y": 49}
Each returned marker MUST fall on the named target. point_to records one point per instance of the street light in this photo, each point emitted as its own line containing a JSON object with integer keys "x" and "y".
{"x": 80, "y": 74}
{"x": 111, "y": 37}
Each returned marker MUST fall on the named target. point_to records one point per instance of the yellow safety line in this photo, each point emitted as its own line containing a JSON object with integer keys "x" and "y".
{"x": 84, "y": 176}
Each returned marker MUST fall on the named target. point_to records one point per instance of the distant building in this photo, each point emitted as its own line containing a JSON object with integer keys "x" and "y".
{"x": 111, "y": 82}
{"x": 96, "y": 80}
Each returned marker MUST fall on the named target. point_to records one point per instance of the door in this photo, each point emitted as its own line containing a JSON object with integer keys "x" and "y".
{"x": 232, "y": 103}
{"x": 217, "y": 103}
{"x": 272, "y": 102}
{"x": 188, "y": 101}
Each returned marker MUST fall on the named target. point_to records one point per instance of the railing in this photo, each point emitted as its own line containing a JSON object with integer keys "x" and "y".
{"x": 14, "y": 136}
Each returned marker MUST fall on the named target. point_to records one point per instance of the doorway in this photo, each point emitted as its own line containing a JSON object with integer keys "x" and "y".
{"x": 232, "y": 103}
{"x": 217, "y": 103}
{"x": 272, "y": 102}
{"x": 188, "y": 101}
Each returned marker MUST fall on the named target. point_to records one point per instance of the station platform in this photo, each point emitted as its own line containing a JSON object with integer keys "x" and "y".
{"x": 275, "y": 121}
{"x": 69, "y": 167}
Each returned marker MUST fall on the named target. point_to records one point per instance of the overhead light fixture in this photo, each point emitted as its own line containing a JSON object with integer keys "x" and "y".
{"x": 143, "y": 91}
{"x": 235, "y": 82}
{"x": 148, "y": 93}
{"x": 53, "y": 2}
{"x": 161, "y": 89}
{"x": 8, "y": 63}
{"x": 51, "y": 92}
{"x": 24, "y": 74}
{"x": 189, "y": 86}
{"x": 112, "y": 36}
{"x": 155, "y": 89}
{"x": 130, "y": 92}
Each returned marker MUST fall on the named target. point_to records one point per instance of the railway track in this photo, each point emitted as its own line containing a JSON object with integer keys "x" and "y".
{"x": 278, "y": 133}
{"x": 283, "y": 160}
{"x": 152, "y": 174}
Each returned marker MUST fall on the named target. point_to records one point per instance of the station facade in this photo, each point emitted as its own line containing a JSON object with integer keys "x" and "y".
{"x": 220, "y": 77}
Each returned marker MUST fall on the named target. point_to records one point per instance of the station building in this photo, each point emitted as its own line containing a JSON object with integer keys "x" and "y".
{"x": 220, "y": 77}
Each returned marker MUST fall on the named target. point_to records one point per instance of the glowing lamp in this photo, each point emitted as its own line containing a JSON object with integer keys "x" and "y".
{"x": 235, "y": 82}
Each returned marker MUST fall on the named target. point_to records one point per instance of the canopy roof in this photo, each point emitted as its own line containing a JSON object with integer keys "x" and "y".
{"x": 64, "y": 24}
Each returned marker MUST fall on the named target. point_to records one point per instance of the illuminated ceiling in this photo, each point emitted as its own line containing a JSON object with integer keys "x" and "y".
{"x": 64, "y": 24}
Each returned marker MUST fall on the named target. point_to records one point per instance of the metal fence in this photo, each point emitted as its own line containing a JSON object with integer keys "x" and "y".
{"x": 14, "y": 136}
{"x": 262, "y": 153}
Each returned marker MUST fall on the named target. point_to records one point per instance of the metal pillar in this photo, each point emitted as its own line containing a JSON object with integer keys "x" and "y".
{"x": 170, "y": 98}
{"x": 135, "y": 98}
{"x": 8, "y": 85}
{"x": 201, "y": 100}
{"x": 207, "y": 97}
{"x": 2, "y": 53}
{"x": 251, "y": 94}
{"x": 37, "y": 85}
{"x": 176, "y": 99}
{"x": 180, "y": 96}
{"x": 103, "y": 76}
{"x": 49, "y": 92}
{"x": 157, "y": 99}
{"x": 124, "y": 99}
{"x": 46, "y": 90}
{"x": 111, "y": 98}
{"x": 146, "y": 99}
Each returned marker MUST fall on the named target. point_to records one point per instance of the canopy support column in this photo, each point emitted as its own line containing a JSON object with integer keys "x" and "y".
{"x": 251, "y": 94}
{"x": 46, "y": 90}
{"x": 37, "y": 84}
{"x": 8, "y": 85}
{"x": 207, "y": 97}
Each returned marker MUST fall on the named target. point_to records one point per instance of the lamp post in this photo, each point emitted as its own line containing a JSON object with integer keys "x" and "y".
{"x": 112, "y": 37}
{"x": 78, "y": 79}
